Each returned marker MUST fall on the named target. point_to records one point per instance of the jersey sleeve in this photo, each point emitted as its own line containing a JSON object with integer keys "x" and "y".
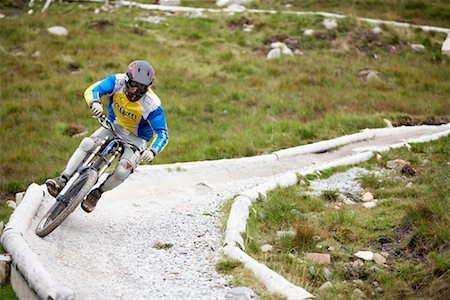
{"x": 99, "y": 89}
{"x": 157, "y": 120}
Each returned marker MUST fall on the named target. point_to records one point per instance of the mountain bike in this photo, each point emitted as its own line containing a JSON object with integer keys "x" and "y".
{"x": 84, "y": 179}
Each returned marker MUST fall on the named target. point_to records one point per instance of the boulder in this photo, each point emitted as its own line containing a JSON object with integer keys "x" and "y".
{"x": 58, "y": 30}
{"x": 319, "y": 258}
{"x": 366, "y": 255}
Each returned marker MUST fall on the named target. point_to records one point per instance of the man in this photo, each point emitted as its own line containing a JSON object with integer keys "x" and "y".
{"x": 138, "y": 117}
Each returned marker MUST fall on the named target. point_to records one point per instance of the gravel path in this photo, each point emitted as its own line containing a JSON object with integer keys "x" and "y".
{"x": 158, "y": 235}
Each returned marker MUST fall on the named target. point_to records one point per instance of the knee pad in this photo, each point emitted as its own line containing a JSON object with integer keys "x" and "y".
{"x": 124, "y": 169}
{"x": 87, "y": 144}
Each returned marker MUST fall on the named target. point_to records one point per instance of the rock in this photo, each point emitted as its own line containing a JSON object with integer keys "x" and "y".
{"x": 298, "y": 52}
{"x": 195, "y": 14}
{"x": 235, "y": 8}
{"x": 240, "y": 293}
{"x": 345, "y": 200}
{"x": 331, "y": 248}
{"x": 358, "y": 282}
{"x": 446, "y": 45}
{"x": 397, "y": 164}
{"x": 408, "y": 170}
{"x": 325, "y": 286}
{"x": 11, "y": 204}
{"x": 379, "y": 157}
{"x": 368, "y": 75}
{"x": 274, "y": 53}
{"x": 30, "y": 12}
{"x": 357, "y": 264}
{"x": 330, "y": 24}
{"x": 379, "y": 290}
{"x": 417, "y": 47}
{"x": 285, "y": 233}
{"x": 385, "y": 254}
{"x": 377, "y": 30}
{"x": 358, "y": 294}
{"x": 327, "y": 273}
{"x": 2, "y": 16}
{"x": 58, "y": 30}
{"x": 266, "y": 248}
{"x": 388, "y": 123}
{"x": 367, "y": 197}
{"x": 320, "y": 258}
{"x": 229, "y": 2}
{"x": 308, "y": 32}
{"x": 19, "y": 197}
{"x": 312, "y": 271}
{"x": 366, "y": 255}
{"x": 373, "y": 76}
{"x": 153, "y": 19}
{"x": 370, "y": 204}
{"x": 379, "y": 259}
{"x": 169, "y": 2}
{"x": 36, "y": 54}
{"x": 248, "y": 27}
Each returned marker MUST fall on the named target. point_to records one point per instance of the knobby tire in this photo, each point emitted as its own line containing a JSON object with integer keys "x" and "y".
{"x": 59, "y": 212}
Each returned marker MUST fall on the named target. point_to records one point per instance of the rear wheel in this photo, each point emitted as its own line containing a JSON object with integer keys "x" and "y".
{"x": 62, "y": 208}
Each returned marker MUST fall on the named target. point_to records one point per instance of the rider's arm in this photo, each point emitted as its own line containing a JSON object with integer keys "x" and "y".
{"x": 99, "y": 89}
{"x": 158, "y": 122}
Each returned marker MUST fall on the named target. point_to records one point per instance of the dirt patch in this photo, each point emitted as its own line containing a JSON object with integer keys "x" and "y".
{"x": 73, "y": 68}
{"x": 101, "y": 24}
{"x": 414, "y": 121}
{"x": 74, "y": 129}
{"x": 240, "y": 23}
{"x": 291, "y": 42}
{"x": 7, "y": 196}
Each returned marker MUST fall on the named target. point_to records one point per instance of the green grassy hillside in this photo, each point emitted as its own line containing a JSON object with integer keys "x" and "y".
{"x": 221, "y": 96}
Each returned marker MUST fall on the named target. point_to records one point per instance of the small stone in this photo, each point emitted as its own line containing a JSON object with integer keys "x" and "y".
{"x": 358, "y": 282}
{"x": 331, "y": 248}
{"x": 308, "y": 32}
{"x": 274, "y": 53}
{"x": 379, "y": 290}
{"x": 379, "y": 259}
{"x": 408, "y": 170}
{"x": 58, "y": 30}
{"x": 372, "y": 76}
{"x": 388, "y": 123}
{"x": 409, "y": 185}
{"x": 367, "y": 197}
{"x": 385, "y": 254}
{"x": 312, "y": 271}
{"x": 30, "y": 12}
{"x": 357, "y": 264}
{"x": 330, "y": 24}
{"x": 377, "y": 30}
{"x": 379, "y": 157}
{"x": 11, "y": 204}
{"x": 397, "y": 164}
{"x": 370, "y": 204}
{"x": 358, "y": 294}
{"x": 2, "y": 16}
{"x": 240, "y": 293}
{"x": 417, "y": 47}
{"x": 266, "y": 248}
{"x": 327, "y": 273}
{"x": 36, "y": 54}
{"x": 325, "y": 286}
{"x": 320, "y": 258}
{"x": 366, "y": 255}
{"x": 375, "y": 283}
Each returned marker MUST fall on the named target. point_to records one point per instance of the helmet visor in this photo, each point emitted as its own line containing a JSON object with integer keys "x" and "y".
{"x": 135, "y": 90}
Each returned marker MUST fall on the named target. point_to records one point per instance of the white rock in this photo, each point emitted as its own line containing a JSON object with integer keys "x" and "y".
{"x": 370, "y": 204}
{"x": 396, "y": 164}
{"x": 298, "y": 52}
{"x": 308, "y": 32}
{"x": 385, "y": 254}
{"x": 97, "y": 11}
{"x": 2, "y": 16}
{"x": 417, "y": 47}
{"x": 372, "y": 76}
{"x": 330, "y": 24}
{"x": 379, "y": 259}
{"x": 367, "y": 197}
{"x": 169, "y": 2}
{"x": 287, "y": 51}
{"x": 11, "y": 204}
{"x": 358, "y": 294}
{"x": 357, "y": 264}
{"x": 326, "y": 285}
{"x": 229, "y": 2}
{"x": 274, "y": 53}
{"x": 30, "y": 12}
{"x": 235, "y": 8}
{"x": 327, "y": 273}
{"x": 377, "y": 30}
{"x": 278, "y": 45}
{"x": 388, "y": 123}
{"x": 379, "y": 157}
{"x": 58, "y": 30}
{"x": 241, "y": 293}
{"x": 409, "y": 185}
{"x": 446, "y": 45}
{"x": 266, "y": 248}
{"x": 247, "y": 28}
{"x": 195, "y": 14}
{"x": 153, "y": 19}
{"x": 366, "y": 255}
{"x": 34, "y": 55}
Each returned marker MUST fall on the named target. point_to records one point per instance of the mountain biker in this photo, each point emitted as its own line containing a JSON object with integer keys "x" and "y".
{"x": 138, "y": 117}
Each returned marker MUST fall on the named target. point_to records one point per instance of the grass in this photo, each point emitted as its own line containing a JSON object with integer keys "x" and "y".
{"x": 411, "y": 224}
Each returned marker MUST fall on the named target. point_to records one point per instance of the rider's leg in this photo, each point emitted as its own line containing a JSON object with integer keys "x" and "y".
{"x": 126, "y": 166}
{"x": 55, "y": 185}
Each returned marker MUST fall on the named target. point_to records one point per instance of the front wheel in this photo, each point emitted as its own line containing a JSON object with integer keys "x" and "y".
{"x": 62, "y": 208}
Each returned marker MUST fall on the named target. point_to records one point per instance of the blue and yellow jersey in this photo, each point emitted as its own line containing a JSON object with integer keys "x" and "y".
{"x": 144, "y": 118}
